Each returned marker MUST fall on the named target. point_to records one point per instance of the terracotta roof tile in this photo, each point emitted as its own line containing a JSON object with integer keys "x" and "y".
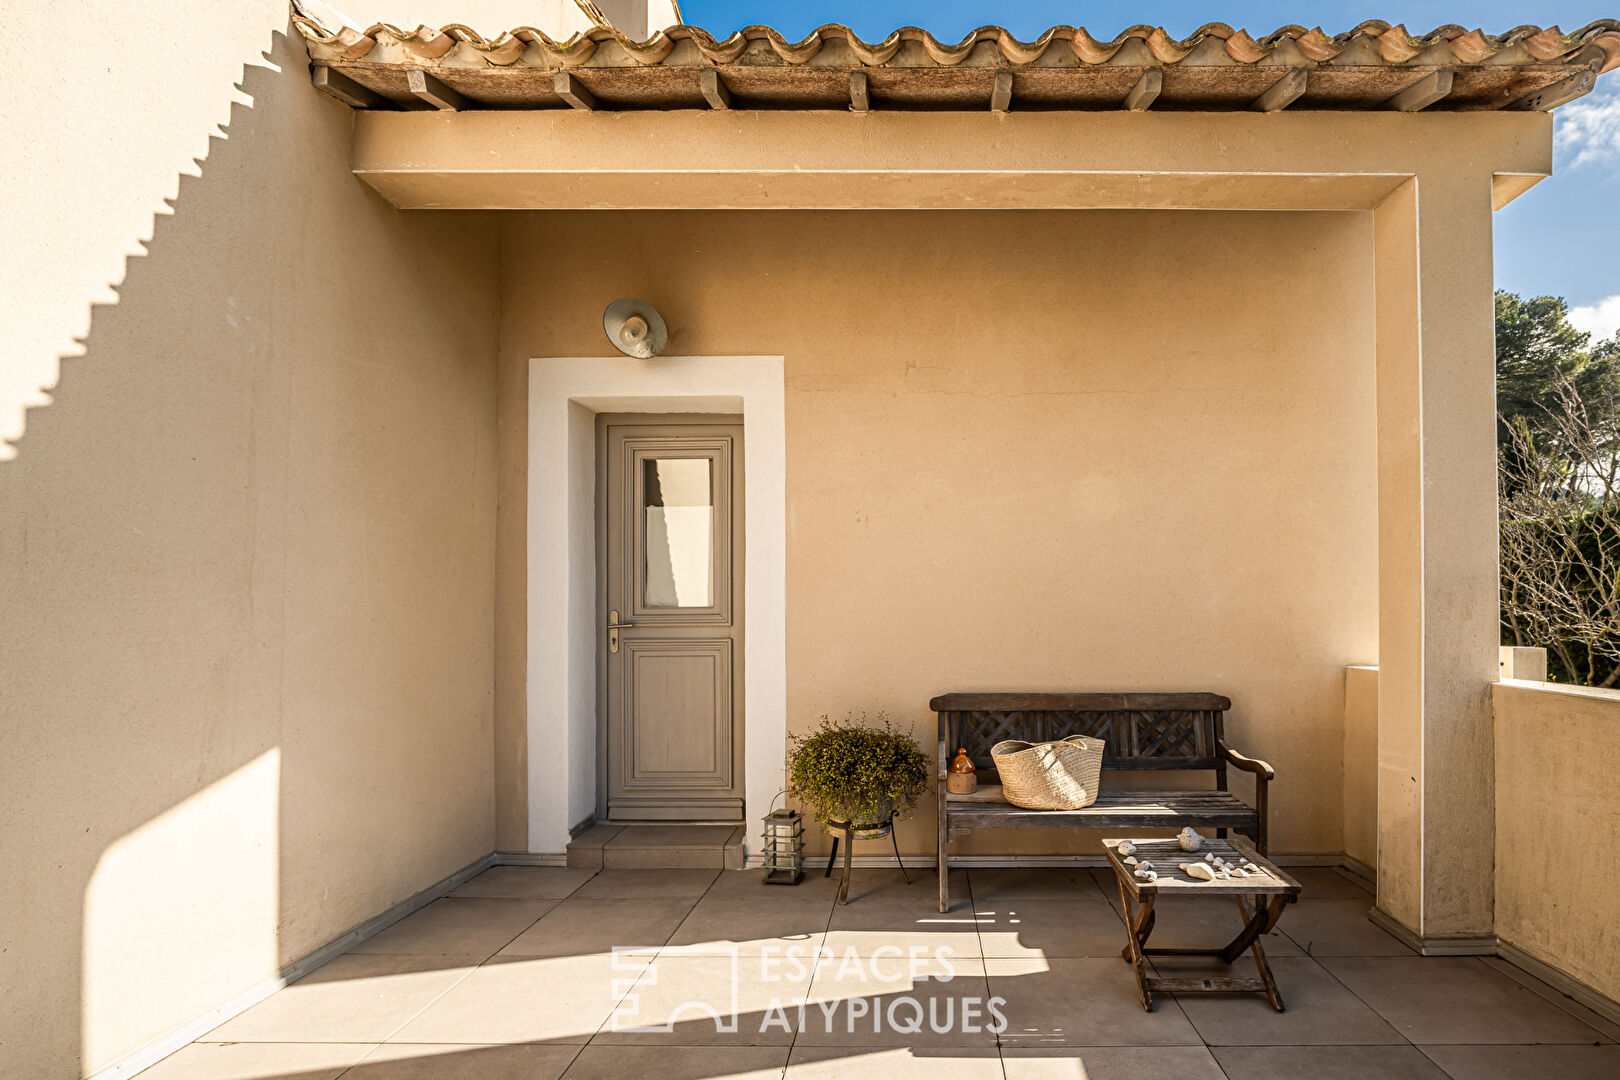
{"x": 1066, "y": 67}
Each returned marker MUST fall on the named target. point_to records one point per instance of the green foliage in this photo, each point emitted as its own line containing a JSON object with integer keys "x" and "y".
{"x": 853, "y": 771}
{"x": 1558, "y": 395}
{"x": 1537, "y": 352}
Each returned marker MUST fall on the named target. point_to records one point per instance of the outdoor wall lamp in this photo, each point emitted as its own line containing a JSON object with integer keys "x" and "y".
{"x": 635, "y": 328}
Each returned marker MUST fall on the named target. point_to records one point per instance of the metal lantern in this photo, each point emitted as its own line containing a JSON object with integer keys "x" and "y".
{"x": 784, "y": 847}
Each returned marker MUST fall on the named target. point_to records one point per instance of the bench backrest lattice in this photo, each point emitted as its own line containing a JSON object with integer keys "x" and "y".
{"x": 1142, "y": 731}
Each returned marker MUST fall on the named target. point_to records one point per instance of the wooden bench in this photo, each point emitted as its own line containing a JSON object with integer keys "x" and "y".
{"x": 1181, "y": 732}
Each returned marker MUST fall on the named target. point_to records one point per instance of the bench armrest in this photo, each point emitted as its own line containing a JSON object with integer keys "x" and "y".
{"x": 1263, "y": 774}
{"x": 1247, "y": 764}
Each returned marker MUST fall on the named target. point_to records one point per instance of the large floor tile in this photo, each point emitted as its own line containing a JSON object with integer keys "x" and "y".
{"x": 601, "y": 1061}
{"x": 898, "y": 1000}
{"x": 1200, "y": 923}
{"x": 710, "y": 1000}
{"x": 581, "y": 926}
{"x": 1320, "y": 1011}
{"x": 523, "y": 883}
{"x": 357, "y": 999}
{"x": 1326, "y": 1063}
{"x": 1439, "y": 999}
{"x": 1324, "y": 882}
{"x": 456, "y": 928}
{"x": 1112, "y": 1063}
{"x": 886, "y": 922}
{"x": 1107, "y": 882}
{"x": 1089, "y": 1001}
{"x": 711, "y": 857}
{"x": 1608, "y": 1029}
{"x": 1338, "y": 927}
{"x": 1527, "y": 1062}
{"x": 556, "y": 1000}
{"x": 893, "y": 1063}
{"x": 725, "y": 926}
{"x": 750, "y": 885}
{"x": 1014, "y": 928}
{"x": 883, "y": 883}
{"x": 257, "y": 1061}
{"x": 646, "y": 885}
{"x": 995, "y": 886}
{"x": 429, "y": 1061}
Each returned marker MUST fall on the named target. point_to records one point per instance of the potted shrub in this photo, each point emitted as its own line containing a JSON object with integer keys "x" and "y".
{"x": 858, "y": 776}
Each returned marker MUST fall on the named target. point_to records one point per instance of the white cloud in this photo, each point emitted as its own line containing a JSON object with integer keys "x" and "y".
{"x": 1589, "y": 130}
{"x": 1601, "y": 320}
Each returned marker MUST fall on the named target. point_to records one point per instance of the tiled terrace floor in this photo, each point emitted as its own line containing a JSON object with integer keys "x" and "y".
{"x": 513, "y": 977}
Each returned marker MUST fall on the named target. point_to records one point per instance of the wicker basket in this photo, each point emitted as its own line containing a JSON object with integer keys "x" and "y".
{"x": 1060, "y": 775}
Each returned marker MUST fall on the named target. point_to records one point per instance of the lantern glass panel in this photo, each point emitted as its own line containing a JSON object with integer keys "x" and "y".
{"x": 784, "y": 847}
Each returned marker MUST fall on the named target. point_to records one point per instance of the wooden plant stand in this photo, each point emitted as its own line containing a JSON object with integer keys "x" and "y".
{"x": 1268, "y": 894}
{"x": 841, "y": 830}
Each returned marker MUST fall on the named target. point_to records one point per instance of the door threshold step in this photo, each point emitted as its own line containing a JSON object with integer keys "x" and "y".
{"x": 658, "y": 847}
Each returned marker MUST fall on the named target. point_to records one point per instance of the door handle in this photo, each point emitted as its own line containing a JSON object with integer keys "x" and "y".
{"x": 613, "y": 628}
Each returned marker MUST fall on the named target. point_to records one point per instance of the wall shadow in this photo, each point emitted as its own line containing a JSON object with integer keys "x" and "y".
{"x": 246, "y": 578}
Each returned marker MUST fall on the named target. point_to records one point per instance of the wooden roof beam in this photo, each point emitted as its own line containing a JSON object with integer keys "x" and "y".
{"x": 336, "y": 85}
{"x": 860, "y": 97}
{"x": 715, "y": 90}
{"x": 1559, "y": 93}
{"x": 434, "y": 92}
{"x": 1423, "y": 93}
{"x": 1001, "y": 94}
{"x": 568, "y": 87}
{"x": 1146, "y": 90}
{"x": 1283, "y": 93}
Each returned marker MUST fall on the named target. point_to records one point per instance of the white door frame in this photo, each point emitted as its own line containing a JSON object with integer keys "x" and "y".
{"x": 565, "y": 394}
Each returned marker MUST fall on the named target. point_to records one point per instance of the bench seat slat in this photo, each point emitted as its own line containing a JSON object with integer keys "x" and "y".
{"x": 1112, "y": 810}
{"x": 991, "y": 793}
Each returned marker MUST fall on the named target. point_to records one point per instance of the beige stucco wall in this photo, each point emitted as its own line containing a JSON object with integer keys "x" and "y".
{"x": 1025, "y": 451}
{"x": 1361, "y": 764}
{"x": 246, "y": 539}
{"x": 1557, "y": 810}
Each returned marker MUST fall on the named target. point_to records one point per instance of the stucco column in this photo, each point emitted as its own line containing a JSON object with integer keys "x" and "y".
{"x": 1437, "y": 553}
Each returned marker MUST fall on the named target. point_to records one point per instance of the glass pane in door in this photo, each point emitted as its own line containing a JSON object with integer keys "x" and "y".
{"x": 677, "y": 498}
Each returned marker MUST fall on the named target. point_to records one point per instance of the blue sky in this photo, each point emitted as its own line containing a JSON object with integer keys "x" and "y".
{"x": 1562, "y": 238}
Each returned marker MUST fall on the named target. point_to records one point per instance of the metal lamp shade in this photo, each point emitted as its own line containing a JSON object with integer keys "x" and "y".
{"x": 635, "y": 328}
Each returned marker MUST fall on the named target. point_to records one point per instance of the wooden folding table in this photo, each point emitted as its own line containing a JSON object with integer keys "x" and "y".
{"x": 1267, "y": 893}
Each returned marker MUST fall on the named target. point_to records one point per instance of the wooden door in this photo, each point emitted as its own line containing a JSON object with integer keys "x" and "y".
{"x": 669, "y": 493}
